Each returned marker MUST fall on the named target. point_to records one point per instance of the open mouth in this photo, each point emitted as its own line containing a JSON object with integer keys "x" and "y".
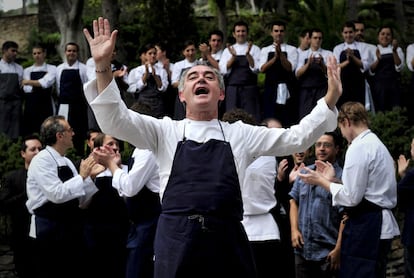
{"x": 201, "y": 91}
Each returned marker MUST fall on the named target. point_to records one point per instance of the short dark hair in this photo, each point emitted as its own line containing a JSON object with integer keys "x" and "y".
{"x": 23, "y": 146}
{"x": 216, "y": 32}
{"x": 241, "y": 23}
{"x": 349, "y": 24}
{"x": 72, "y": 43}
{"x": 278, "y": 23}
{"x": 49, "y": 128}
{"x": 9, "y": 44}
{"x": 337, "y": 138}
{"x": 239, "y": 114}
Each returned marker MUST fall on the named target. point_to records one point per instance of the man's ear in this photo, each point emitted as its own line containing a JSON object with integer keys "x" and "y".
{"x": 222, "y": 95}
{"x": 181, "y": 96}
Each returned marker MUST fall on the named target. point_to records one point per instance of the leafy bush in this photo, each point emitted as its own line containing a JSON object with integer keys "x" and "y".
{"x": 394, "y": 129}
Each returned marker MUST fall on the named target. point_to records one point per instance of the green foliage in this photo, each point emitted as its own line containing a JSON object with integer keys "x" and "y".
{"x": 49, "y": 41}
{"x": 394, "y": 130}
{"x": 10, "y": 158}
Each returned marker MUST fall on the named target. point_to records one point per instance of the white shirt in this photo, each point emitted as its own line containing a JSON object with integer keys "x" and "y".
{"x": 144, "y": 172}
{"x": 307, "y": 53}
{"x": 369, "y": 173}
{"x": 410, "y": 56}
{"x": 77, "y": 65}
{"x": 258, "y": 194}
{"x": 161, "y": 135}
{"x": 11, "y": 68}
{"x": 240, "y": 49}
{"x": 47, "y": 81}
{"x": 362, "y": 48}
{"x": 388, "y": 50}
{"x": 44, "y": 184}
{"x": 135, "y": 78}
{"x": 292, "y": 54}
{"x": 179, "y": 67}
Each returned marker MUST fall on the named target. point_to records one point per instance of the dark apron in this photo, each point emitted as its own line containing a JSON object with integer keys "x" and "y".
{"x": 106, "y": 230}
{"x": 242, "y": 90}
{"x": 152, "y": 97}
{"x": 353, "y": 81}
{"x": 199, "y": 231}
{"x": 275, "y": 75}
{"x": 361, "y": 241}
{"x": 59, "y": 235}
{"x": 80, "y": 115}
{"x": 387, "y": 87}
{"x": 38, "y": 105}
{"x": 10, "y": 105}
{"x": 143, "y": 209}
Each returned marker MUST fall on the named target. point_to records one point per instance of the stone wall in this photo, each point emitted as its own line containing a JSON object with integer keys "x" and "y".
{"x": 18, "y": 28}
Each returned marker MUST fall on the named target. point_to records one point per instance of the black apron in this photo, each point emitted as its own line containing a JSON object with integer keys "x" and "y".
{"x": 38, "y": 105}
{"x": 353, "y": 81}
{"x": 242, "y": 90}
{"x": 199, "y": 231}
{"x": 276, "y": 75}
{"x": 10, "y": 105}
{"x": 106, "y": 230}
{"x": 361, "y": 241}
{"x": 80, "y": 115}
{"x": 387, "y": 84}
{"x": 151, "y": 96}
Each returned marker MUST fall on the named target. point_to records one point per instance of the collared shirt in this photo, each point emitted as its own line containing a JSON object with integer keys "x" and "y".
{"x": 11, "y": 68}
{"x": 362, "y": 48}
{"x": 292, "y": 54}
{"x": 162, "y": 135}
{"x": 303, "y": 56}
{"x": 369, "y": 173}
{"x": 178, "y": 69}
{"x": 47, "y": 81}
{"x": 318, "y": 219}
{"x": 144, "y": 172}
{"x": 240, "y": 49}
{"x": 388, "y": 50}
{"x": 258, "y": 194}
{"x": 44, "y": 184}
{"x": 135, "y": 78}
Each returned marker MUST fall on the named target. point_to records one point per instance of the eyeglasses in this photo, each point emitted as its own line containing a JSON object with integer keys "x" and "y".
{"x": 70, "y": 129}
{"x": 324, "y": 144}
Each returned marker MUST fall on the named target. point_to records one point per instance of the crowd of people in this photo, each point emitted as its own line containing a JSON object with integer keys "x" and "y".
{"x": 218, "y": 183}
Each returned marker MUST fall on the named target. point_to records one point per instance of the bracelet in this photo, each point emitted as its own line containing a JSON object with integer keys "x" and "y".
{"x": 107, "y": 68}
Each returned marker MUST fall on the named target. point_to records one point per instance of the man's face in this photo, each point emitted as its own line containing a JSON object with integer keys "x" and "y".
{"x": 325, "y": 149}
{"x": 299, "y": 158}
{"x": 71, "y": 53}
{"x": 278, "y": 33}
{"x": 67, "y": 134}
{"x": 10, "y": 54}
{"x": 348, "y": 34}
{"x": 240, "y": 33}
{"x": 359, "y": 32}
{"x": 33, "y": 147}
{"x": 39, "y": 56}
{"x": 215, "y": 42}
{"x": 201, "y": 91}
{"x": 316, "y": 40}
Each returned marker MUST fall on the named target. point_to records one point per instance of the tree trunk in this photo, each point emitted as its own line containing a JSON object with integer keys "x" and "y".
{"x": 24, "y": 9}
{"x": 221, "y": 18}
{"x": 253, "y": 5}
{"x": 68, "y": 17}
{"x": 111, "y": 11}
{"x": 352, "y": 9}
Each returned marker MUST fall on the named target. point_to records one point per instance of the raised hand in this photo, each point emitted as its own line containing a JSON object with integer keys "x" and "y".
{"x": 102, "y": 43}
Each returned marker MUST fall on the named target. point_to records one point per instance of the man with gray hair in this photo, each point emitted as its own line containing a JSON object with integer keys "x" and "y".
{"x": 56, "y": 193}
